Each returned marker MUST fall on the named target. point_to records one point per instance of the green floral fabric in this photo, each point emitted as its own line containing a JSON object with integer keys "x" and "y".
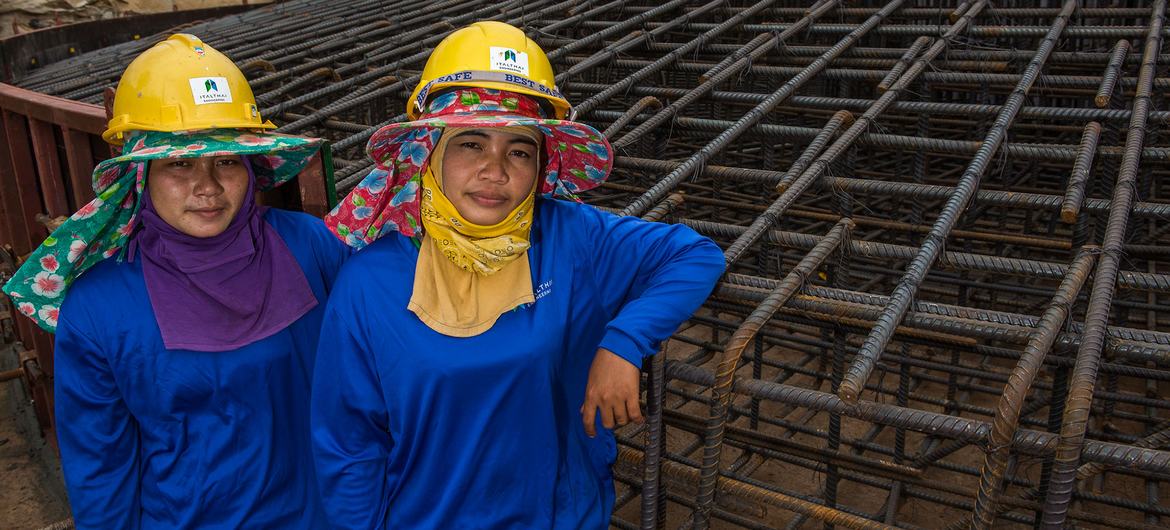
{"x": 101, "y": 228}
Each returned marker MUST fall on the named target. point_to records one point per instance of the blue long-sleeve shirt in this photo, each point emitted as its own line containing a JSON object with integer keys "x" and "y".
{"x": 414, "y": 429}
{"x": 158, "y": 438}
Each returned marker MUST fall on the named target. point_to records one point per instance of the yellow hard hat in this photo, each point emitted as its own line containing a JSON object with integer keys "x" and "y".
{"x": 182, "y": 84}
{"x": 488, "y": 55}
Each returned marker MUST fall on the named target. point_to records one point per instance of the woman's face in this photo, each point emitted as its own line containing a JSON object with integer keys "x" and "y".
{"x": 488, "y": 173}
{"x": 198, "y": 196}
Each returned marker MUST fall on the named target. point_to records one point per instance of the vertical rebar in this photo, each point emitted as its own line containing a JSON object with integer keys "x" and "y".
{"x": 1084, "y": 376}
{"x": 883, "y": 331}
{"x": 729, "y": 362}
{"x": 1003, "y": 427}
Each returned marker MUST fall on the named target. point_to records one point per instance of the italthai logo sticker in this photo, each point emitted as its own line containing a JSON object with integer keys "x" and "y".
{"x": 210, "y": 90}
{"x": 509, "y": 60}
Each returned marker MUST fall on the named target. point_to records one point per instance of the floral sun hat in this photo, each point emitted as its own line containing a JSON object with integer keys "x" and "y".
{"x": 578, "y": 159}
{"x": 103, "y": 226}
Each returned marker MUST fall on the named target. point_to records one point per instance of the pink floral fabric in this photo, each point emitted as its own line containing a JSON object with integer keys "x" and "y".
{"x": 579, "y": 159}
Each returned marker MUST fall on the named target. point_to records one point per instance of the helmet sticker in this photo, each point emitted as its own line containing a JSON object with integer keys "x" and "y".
{"x": 509, "y": 60}
{"x": 210, "y": 90}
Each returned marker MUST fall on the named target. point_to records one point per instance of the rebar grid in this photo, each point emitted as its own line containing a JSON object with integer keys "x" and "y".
{"x": 945, "y": 225}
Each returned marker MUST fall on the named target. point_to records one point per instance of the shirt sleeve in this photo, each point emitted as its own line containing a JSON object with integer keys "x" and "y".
{"x": 650, "y": 276}
{"x": 351, "y": 440}
{"x": 331, "y": 254}
{"x": 97, "y": 435}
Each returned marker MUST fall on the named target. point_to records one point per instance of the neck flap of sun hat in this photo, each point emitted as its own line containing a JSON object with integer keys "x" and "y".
{"x": 222, "y": 292}
{"x": 467, "y": 275}
{"x": 102, "y": 227}
{"x": 579, "y": 158}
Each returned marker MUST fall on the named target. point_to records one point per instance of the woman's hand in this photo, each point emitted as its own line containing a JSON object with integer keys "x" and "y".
{"x": 612, "y": 387}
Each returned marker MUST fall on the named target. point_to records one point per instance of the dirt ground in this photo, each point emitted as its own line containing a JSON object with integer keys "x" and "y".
{"x": 32, "y": 493}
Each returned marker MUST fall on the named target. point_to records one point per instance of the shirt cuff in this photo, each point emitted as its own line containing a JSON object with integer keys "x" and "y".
{"x": 621, "y": 344}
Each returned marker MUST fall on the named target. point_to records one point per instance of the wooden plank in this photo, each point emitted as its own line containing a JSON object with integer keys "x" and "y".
{"x": 44, "y": 144}
{"x": 59, "y": 111}
{"x": 79, "y": 158}
{"x": 17, "y": 134}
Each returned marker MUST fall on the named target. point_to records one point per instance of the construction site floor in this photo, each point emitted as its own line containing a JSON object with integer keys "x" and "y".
{"x": 32, "y": 493}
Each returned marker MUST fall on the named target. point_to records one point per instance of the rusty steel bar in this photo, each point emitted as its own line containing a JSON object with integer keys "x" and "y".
{"x": 1112, "y": 73}
{"x": 729, "y": 361}
{"x": 680, "y": 472}
{"x": 737, "y": 66}
{"x": 638, "y": 39}
{"x": 765, "y": 221}
{"x": 840, "y": 118}
{"x": 767, "y": 40}
{"x": 648, "y": 102}
{"x": 1031, "y": 152}
{"x": 653, "y": 514}
{"x": 900, "y": 300}
{"x": 1029, "y": 442}
{"x": 669, "y": 204}
{"x": 1047, "y": 82}
{"x": 752, "y": 117}
{"x": 1160, "y": 437}
{"x": 958, "y": 327}
{"x": 1003, "y": 428}
{"x": 1078, "y": 57}
{"x": 1084, "y": 375}
{"x": 905, "y": 60}
{"x": 907, "y": 189}
{"x": 8, "y": 375}
{"x": 586, "y": 106}
{"x": 937, "y": 31}
{"x": 1074, "y": 195}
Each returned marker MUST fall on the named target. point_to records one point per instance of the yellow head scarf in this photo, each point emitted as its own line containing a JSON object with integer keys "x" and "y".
{"x": 468, "y": 275}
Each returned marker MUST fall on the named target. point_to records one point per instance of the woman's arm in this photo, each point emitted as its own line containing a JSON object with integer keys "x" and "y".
{"x": 351, "y": 441}
{"x": 97, "y": 434}
{"x": 651, "y": 277}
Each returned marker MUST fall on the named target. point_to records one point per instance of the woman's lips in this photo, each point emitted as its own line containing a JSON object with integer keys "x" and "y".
{"x": 488, "y": 200}
{"x": 207, "y": 213}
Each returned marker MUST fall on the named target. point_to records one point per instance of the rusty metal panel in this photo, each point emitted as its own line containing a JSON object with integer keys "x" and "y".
{"x": 311, "y": 182}
{"x": 16, "y": 219}
{"x": 44, "y": 144}
{"x": 79, "y": 160}
{"x": 24, "y": 169}
{"x": 76, "y": 115}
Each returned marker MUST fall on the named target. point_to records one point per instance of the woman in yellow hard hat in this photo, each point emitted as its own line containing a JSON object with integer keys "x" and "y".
{"x": 485, "y": 327}
{"x": 186, "y": 316}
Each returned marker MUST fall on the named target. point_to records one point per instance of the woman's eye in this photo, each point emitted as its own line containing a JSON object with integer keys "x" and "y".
{"x": 227, "y": 162}
{"x": 469, "y": 145}
{"x": 521, "y": 154}
{"x": 179, "y": 163}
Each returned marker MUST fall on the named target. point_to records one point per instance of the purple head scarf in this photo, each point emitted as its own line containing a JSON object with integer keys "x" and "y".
{"x": 222, "y": 292}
